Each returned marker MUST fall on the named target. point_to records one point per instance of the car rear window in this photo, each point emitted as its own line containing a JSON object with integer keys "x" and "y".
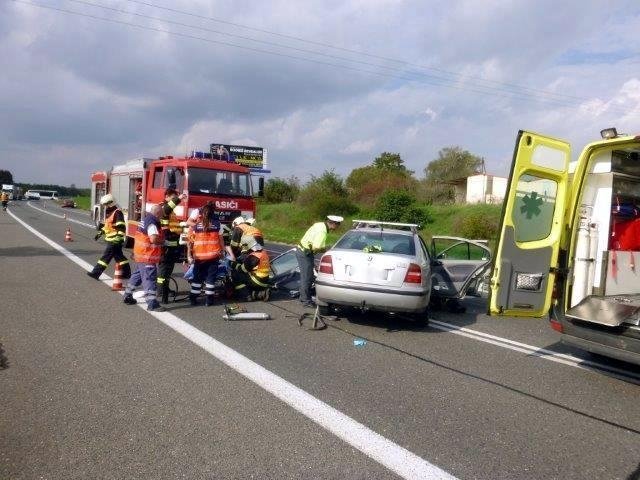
{"x": 384, "y": 242}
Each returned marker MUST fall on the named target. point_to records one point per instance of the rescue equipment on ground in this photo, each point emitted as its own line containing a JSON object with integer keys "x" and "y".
{"x": 67, "y": 235}
{"x": 230, "y": 315}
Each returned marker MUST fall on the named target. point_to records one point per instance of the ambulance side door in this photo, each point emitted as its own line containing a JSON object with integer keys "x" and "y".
{"x": 533, "y": 218}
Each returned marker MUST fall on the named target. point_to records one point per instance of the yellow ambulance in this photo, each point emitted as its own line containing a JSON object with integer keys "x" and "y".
{"x": 569, "y": 242}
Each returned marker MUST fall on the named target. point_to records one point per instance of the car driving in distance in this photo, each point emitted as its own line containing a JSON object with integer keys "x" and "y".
{"x": 382, "y": 266}
{"x": 31, "y": 195}
{"x": 68, "y": 203}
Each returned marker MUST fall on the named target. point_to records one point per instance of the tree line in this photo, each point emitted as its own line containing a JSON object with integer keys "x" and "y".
{"x": 70, "y": 191}
{"x": 385, "y": 188}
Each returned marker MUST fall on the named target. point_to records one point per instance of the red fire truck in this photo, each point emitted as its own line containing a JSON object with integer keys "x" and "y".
{"x": 140, "y": 183}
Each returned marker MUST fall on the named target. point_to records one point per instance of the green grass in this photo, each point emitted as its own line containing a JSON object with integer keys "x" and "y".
{"x": 83, "y": 202}
{"x": 287, "y": 222}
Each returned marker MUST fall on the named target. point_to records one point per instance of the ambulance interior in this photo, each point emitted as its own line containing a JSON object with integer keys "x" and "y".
{"x": 605, "y": 280}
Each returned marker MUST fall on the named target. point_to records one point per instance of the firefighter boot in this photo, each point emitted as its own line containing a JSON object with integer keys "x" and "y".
{"x": 193, "y": 299}
{"x": 154, "y": 306}
{"x": 129, "y": 300}
{"x": 96, "y": 272}
{"x": 163, "y": 292}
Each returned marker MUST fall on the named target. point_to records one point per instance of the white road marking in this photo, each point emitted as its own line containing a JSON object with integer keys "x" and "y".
{"x": 394, "y": 457}
{"x": 89, "y": 225}
{"x": 539, "y": 352}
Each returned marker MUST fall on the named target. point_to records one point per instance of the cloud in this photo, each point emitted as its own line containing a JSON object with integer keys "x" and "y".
{"x": 359, "y": 146}
{"x": 85, "y": 94}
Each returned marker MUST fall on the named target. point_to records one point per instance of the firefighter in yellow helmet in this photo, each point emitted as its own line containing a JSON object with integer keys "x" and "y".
{"x": 114, "y": 230}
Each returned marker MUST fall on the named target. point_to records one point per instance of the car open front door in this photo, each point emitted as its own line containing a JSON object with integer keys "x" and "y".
{"x": 533, "y": 218}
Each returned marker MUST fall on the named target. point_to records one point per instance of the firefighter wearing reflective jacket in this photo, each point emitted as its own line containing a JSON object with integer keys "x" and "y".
{"x": 171, "y": 231}
{"x": 147, "y": 251}
{"x": 251, "y": 276}
{"x": 242, "y": 227}
{"x": 114, "y": 232}
{"x": 205, "y": 248}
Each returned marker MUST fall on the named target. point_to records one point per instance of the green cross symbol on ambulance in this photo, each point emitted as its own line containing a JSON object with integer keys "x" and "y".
{"x": 531, "y": 205}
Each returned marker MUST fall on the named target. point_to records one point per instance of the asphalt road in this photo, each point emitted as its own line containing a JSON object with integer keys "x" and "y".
{"x": 93, "y": 388}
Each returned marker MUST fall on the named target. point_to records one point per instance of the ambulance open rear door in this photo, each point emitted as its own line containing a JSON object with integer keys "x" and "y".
{"x": 533, "y": 219}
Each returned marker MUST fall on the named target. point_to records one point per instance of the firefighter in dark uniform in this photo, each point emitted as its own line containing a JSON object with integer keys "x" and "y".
{"x": 242, "y": 227}
{"x": 114, "y": 230}
{"x": 251, "y": 275}
{"x": 171, "y": 231}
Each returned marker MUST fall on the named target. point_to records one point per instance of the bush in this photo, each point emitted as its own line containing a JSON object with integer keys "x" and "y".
{"x": 277, "y": 190}
{"x": 400, "y": 206}
{"x": 476, "y": 223}
{"x": 326, "y": 195}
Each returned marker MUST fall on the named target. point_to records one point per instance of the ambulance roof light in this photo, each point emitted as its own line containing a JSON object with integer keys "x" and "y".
{"x": 609, "y": 133}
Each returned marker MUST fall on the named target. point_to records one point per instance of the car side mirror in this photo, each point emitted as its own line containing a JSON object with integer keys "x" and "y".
{"x": 171, "y": 178}
{"x": 261, "y": 187}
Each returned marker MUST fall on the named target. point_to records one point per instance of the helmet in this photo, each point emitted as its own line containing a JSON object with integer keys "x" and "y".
{"x": 250, "y": 221}
{"x": 107, "y": 199}
{"x": 238, "y": 220}
{"x": 249, "y": 242}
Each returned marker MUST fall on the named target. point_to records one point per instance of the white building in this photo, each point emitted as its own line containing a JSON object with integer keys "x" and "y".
{"x": 483, "y": 188}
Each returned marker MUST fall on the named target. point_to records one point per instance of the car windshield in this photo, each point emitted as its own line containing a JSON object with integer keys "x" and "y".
{"x": 374, "y": 242}
{"x": 218, "y": 182}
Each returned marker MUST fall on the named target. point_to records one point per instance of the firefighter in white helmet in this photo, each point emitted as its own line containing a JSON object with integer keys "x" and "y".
{"x": 114, "y": 230}
{"x": 242, "y": 227}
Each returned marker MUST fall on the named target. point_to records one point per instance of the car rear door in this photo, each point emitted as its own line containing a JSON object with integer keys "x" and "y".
{"x": 532, "y": 222}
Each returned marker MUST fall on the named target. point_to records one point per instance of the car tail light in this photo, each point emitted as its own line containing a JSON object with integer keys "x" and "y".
{"x": 326, "y": 265}
{"x": 556, "y": 325}
{"x": 414, "y": 274}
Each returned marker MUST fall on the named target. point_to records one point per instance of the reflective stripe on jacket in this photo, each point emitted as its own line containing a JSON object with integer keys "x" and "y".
{"x": 206, "y": 242}
{"x": 261, "y": 272}
{"x": 242, "y": 230}
{"x": 114, "y": 228}
{"x": 143, "y": 250}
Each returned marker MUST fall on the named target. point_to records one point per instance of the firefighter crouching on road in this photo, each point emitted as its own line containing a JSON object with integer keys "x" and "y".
{"x": 251, "y": 275}
{"x": 205, "y": 248}
{"x": 242, "y": 227}
{"x": 171, "y": 231}
{"x": 147, "y": 250}
{"x": 114, "y": 230}
{"x": 314, "y": 241}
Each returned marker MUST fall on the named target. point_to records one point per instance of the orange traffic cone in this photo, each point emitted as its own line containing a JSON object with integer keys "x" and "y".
{"x": 67, "y": 235}
{"x": 117, "y": 285}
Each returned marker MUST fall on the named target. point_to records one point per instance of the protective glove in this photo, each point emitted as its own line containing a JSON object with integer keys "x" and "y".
{"x": 97, "y": 237}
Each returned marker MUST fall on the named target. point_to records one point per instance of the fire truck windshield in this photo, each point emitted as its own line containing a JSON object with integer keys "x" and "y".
{"x": 203, "y": 181}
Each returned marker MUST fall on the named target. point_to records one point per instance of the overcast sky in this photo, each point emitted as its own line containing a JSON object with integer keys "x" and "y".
{"x": 321, "y": 84}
